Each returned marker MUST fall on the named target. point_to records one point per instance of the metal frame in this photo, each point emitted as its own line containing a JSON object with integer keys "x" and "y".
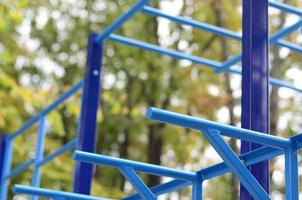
{"x": 273, "y": 146}
{"x": 255, "y": 84}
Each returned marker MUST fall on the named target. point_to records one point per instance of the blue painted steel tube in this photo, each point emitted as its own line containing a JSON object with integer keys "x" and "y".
{"x": 226, "y": 130}
{"x": 195, "y": 59}
{"x": 191, "y": 22}
{"x": 20, "y": 189}
{"x": 163, "y": 188}
{"x": 60, "y": 151}
{"x": 3, "y": 139}
{"x": 137, "y": 183}
{"x": 163, "y": 51}
{"x": 291, "y": 175}
{"x": 39, "y": 154}
{"x": 285, "y": 31}
{"x": 197, "y": 190}
{"x": 222, "y": 31}
{"x": 235, "y": 164}
{"x": 291, "y": 46}
{"x": 88, "y": 120}
{"x": 220, "y": 169}
{"x": 47, "y": 110}
{"x": 137, "y": 166}
{"x": 285, "y": 8}
{"x": 255, "y": 83}
{"x": 17, "y": 170}
{"x": 6, "y": 169}
{"x": 274, "y": 39}
{"x": 121, "y": 20}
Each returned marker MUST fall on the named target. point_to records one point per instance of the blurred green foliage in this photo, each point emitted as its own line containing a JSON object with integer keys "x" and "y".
{"x": 43, "y": 53}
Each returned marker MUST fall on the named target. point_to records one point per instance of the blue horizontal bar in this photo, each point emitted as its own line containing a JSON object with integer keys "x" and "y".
{"x": 176, "y": 54}
{"x": 121, "y": 20}
{"x": 20, "y": 168}
{"x": 47, "y": 110}
{"x": 294, "y": 47}
{"x": 250, "y": 158}
{"x": 285, "y": 7}
{"x": 274, "y": 39}
{"x": 20, "y": 189}
{"x": 191, "y": 22}
{"x": 273, "y": 81}
{"x": 227, "y": 64}
{"x": 60, "y": 151}
{"x": 226, "y": 130}
{"x": 222, "y": 31}
{"x": 280, "y": 83}
{"x": 138, "y": 166}
{"x": 160, "y": 50}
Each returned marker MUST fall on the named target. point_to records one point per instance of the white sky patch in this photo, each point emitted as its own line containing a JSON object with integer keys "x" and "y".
{"x": 295, "y": 74}
{"x": 284, "y": 52}
{"x": 213, "y": 90}
{"x": 211, "y": 155}
{"x": 48, "y": 66}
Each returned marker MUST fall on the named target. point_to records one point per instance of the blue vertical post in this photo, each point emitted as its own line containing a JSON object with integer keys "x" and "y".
{"x": 255, "y": 87}
{"x": 88, "y": 119}
{"x": 291, "y": 174}
{"x": 2, "y": 153}
{"x": 39, "y": 154}
{"x": 6, "y": 166}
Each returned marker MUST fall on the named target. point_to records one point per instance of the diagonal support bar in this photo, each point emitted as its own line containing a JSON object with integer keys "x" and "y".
{"x": 137, "y": 183}
{"x": 121, "y": 20}
{"x": 235, "y": 164}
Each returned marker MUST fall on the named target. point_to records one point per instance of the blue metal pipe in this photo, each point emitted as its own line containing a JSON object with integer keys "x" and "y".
{"x": 255, "y": 83}
{"x": 57, "y": 153}
{"x": 17, "y": 170}
{"x": 6, "y": 169}
{"x": 274, "y": 39}
{"x": 289, "y": 45}
{"x": 191, "y": 22}
{"x": 235, "y": 164}
{"x": 137, "y": 183}
{"x": 121, "y": 20}
{"x": 220, "y": 169}
{"x": 285, "y": 31}
{"x": 3, "y": 140}
{"x": 47, "y": 110}
{"x": 36, "y": 179}
{"x": 291, "y": 175}
{"x": 197, "y": 190}
{"x": 225, "y": 32}
{"x": 143, "y": 167}
{"x": 20, "y": 189}
{"x": 285, "y": 8}
{"x": 195, "y": 59}
{"x": 226, "y": 130}
{"x": 87, "y": 129}
{"x": 160, "y": 50}
{"x": 163, "y": 188}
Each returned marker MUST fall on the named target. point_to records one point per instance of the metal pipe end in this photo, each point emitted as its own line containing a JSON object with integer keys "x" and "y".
{"x": 16, "y": 188}
{"x": 149, "y": 112}
{"x": 75, "y": 155}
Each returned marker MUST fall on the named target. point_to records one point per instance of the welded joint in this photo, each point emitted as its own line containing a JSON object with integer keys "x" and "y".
{"x": 137, "y": 183}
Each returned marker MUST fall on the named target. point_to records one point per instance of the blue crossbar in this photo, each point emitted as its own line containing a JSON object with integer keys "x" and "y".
{"x": 20, "y": 189}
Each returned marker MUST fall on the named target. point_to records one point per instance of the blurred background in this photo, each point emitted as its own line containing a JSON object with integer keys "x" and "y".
{"x": 43, "y": 53}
